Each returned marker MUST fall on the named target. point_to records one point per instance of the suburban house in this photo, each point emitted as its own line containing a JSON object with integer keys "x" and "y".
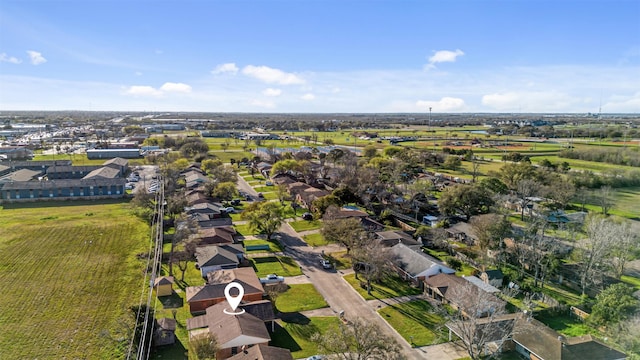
{"x": 390, "y": 238}
{"x": 234, "y": 333}
{"x": 263, "y": 352}
{"x": 164, "y": 332}
{"x": 201, "y": 297}
{"x": 262, "y": 309}
{"x": 462, "y": 295}
{"x": 209, "y": 209}
{"x": 492, "y": 277}
{"x": 194, "y": 179}
{"x": 216, "y": 235}
{"x": 163, "y": 285}
{"x": 412, "y": 264}
{"x": 535, "y": 341}
{"x": 196, "y": 197}
{"x": 305, "y": 194}
{"x": 212, "y": 257}
{"x": 462, "y": 232}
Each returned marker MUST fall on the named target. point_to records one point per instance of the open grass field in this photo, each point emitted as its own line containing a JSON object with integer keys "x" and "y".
{"x": 417, "y": 322}
{"x": 301, "y": 297}
{"x": 388, "y": 288}
{"x": 69, "y": 274}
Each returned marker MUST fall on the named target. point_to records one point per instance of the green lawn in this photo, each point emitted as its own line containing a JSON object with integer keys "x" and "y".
{"x": 296, "y": 336}
{"x": 301, "y": 297}
{"x": 340, "y": 260}
{"x": 315, "y": 239}
{"x": 632, "y": 281}
{"x": 273, "y": 246}
{"x": 244, "y": 229}
{"x": 304, "y": 225}
{"x": 69, "y": 272}
{"x": 388, "y": 288}
{"x": 281, "y": 265}
{"x": 417, "y": 322}
{"x": 564, "y": 323}
{"x": 264, "y": 189}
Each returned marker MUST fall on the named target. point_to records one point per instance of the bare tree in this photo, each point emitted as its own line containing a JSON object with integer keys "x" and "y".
{"x": 482, "y": 320}
{"x": 594, "y": 250}
{"x": 624, "y": 249}
{"x": 348, "y": 232}
{"x": 376, "y": 259}
{"x": 184, "y": 228}
{"x": 526, "y": 189}
{"x": 358, "y": 340}
{"x": 605, "y": 199}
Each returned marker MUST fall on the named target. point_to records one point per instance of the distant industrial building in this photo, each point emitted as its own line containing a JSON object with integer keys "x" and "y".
{"x": 113, "y": 153}
{"x": 95, "y": 188}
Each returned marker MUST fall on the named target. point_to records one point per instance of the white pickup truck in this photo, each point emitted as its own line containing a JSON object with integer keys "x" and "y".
{"x": 272, "y": 279}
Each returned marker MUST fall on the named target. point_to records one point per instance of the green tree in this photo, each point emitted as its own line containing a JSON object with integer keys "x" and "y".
{"x": 348, "y": 232}
{"x": 264, "y": 217}
{"x": 452, "y": 163}
{"x": 466, "y": 199}
{"x": 284, "y": 166}
{"x": 203, "y": 346}
{"x": 209, "y": 164}
{"x": 320, "y": 205}
{"x": 225, "y": 191}
{"x": 613, "y": 304}
{"x": 490, "y": 229}
{"x": 369, "y": 151}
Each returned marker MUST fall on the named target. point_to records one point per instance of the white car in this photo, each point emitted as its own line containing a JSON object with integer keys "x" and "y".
{"x": 229, "y": 210}
{"x": 316, "y": 357}
{"x": 272, "y": 279}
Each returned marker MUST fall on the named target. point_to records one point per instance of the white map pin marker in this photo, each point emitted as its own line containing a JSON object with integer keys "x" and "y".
{"x": 234, "y": 301}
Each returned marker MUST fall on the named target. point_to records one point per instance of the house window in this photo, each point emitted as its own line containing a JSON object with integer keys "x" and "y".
{"x": 234, "y": 350}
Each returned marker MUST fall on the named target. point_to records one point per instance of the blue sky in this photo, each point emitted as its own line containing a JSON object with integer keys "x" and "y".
{"x": 321, "y": 56}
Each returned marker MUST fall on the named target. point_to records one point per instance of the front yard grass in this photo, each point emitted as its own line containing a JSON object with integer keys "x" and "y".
{"x": 340, "y": 260}
{"x": 417, "y": 322}
{"x": 301, "y": 297}
{"x": 273, "y": 246}
{"x": 296, "y": 336}
{"x": 244, "y": 230}
{"x": 387, "y": 288}
{"x": 631, "y": 281}
{"x": 281, "y": 265}
{"x": 305, "y": 225}
{"x": 315, "y": 239}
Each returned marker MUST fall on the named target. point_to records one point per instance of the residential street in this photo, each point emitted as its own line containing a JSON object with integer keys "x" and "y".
{"x": 337, "y": 292}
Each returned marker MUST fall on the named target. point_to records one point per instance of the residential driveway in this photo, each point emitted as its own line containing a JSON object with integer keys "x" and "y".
{"x": 336, "y": 291}
{"x": 294, "y": 280}
{"x": 445, "y": 351}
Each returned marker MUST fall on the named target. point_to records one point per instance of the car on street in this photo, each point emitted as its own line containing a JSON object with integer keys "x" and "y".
{"x": 260, "y": 196}
{"x": 316, "y": 357}
{"x": 272, "y": 279}
{"x": 307, "y": 216}
{"x": 269, "y": 183}
{"x": 229, "y": 210}
{"x": 326, "y": 264}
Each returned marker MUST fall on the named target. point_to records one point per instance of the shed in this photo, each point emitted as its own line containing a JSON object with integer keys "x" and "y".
{"x": 164, "y": 285}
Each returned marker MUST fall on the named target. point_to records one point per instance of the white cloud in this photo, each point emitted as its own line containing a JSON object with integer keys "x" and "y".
{"x": 176, "y": 87}
{"x": 138, "y": 73}
{"x": 10, "y": 59}
{"x": 271, "y": 75}
{"x": 443, "y": 56}
{"x": 532, "y": 101}
{"x": 36, "y": 57}
{"x": 443, "y": 105}
{"x": 624, "y": 104}
{"x": 271, "y": 92}
{"x": 308, "y": 96}
{"x": 143, "y": 90}
{"x": 230, "y": 68}
{"x": 263, "y": 104}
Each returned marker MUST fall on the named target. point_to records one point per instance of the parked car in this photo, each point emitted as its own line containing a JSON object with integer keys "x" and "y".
{"x": 269, "y": 183}
{"x": 272, "y": 279}
{"x": 129, "y": 186}
{"x": 316, "y": 357}
{"x": 229, "y": 210}
{"x": 326, "y": 264}
{"x": 260, "y": 196}
{"x": 235, "y": 202}
{"x": 307, "y": 216}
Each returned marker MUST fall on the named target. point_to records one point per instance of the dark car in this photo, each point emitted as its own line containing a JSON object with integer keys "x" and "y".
{"x": 326, "y": 264}
{"x": 307, "y": 216}
{"x": 235, "y": 202}
{"x": 260, "y": 196}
